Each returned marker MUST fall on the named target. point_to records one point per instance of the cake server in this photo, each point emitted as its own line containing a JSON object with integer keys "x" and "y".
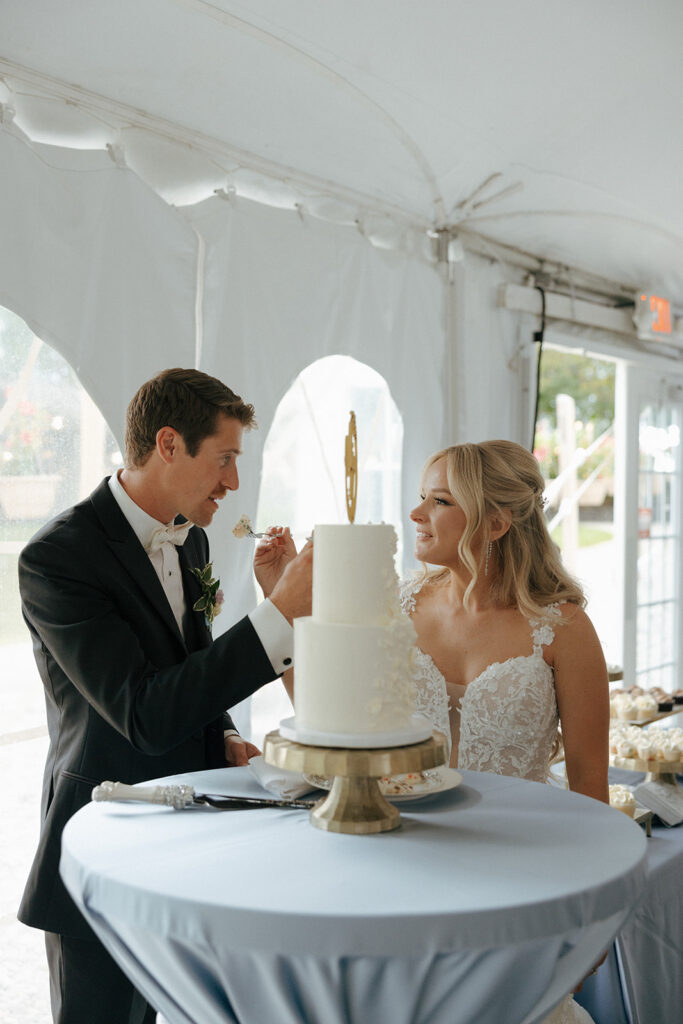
{"x": 179, "y": 797}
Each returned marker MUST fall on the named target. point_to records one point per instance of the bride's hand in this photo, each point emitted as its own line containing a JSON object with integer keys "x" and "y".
{"x": 272, "y": 556}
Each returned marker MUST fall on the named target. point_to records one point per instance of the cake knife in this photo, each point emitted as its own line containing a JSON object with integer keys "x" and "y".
{"x": 179, "y": 797}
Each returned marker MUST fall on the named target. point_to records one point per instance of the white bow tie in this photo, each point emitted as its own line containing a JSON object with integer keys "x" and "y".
{"x": 168, "y": 535}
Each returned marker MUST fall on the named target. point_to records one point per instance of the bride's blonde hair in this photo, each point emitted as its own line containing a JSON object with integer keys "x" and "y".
{"x": 501, "y": 478}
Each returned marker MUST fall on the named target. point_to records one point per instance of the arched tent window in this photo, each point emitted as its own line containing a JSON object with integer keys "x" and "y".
{"x": 302, "y": 481}
{"x": 54, "y": 449}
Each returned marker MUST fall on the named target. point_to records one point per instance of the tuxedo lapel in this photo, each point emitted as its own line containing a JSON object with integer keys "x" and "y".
{"x": 129, "y": 552}
{"x": 190, "y": 558}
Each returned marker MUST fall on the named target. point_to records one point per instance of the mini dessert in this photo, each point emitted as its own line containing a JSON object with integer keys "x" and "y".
{"x": 667, "y": 751}
{"x": 645, "y": 750}
{"x": 646, "y": 707}
{"x": 665, "y": 701}
{"x": 677, "y": 696}
{"x": 614, "y": 739}
{"x": 676, "y": 737}
{"x": 243, "y": 527}
{"x": 621, "y": 798}
{"x": 626, "y": 748}
{"x": 619, "y": 707}
{"x": 626, "y": 710}
{"x": 616, "y": 699}
{"x": 677, "y": 747}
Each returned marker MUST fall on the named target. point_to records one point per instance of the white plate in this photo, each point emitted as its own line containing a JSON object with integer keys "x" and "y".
{"x": 413, "y": 786}
{"x": 421, "y": 729}
{"x": 429, "y": 783}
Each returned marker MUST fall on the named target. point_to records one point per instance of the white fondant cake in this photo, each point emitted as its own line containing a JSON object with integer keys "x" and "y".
{"x": 352, "y": 656}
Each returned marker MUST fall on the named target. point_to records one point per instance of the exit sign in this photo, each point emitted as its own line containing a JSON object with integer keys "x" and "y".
{"x": 652, "y": 316}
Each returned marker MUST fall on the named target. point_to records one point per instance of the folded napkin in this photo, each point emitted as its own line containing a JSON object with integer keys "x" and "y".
{"x": 283, "y": 783}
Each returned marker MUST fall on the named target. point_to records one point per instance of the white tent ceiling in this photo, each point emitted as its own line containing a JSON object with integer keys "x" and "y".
{"x": 354, "y": 108}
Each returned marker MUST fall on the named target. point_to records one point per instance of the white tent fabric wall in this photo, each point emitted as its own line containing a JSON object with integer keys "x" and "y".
{"x": 489, "y": 346}
{"x": 97, "y": 265}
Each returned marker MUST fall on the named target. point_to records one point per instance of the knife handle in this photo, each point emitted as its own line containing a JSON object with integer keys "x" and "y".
{"x": 168, "y": 796}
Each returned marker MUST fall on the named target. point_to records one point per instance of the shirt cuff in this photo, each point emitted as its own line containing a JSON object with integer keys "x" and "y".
{"x": 276, "y": 635}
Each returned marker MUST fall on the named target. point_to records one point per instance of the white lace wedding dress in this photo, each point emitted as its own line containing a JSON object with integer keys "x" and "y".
{"x": 505, "y": 721}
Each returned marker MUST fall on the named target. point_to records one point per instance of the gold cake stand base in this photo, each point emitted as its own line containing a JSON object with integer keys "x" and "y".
{"x": 355, "y": 804}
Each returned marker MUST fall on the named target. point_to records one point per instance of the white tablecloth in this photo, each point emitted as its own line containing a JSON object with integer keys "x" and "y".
{"x": 487, "y": 905}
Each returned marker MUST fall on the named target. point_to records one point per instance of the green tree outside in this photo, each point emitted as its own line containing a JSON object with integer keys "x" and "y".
{"x": 590, "y": 382}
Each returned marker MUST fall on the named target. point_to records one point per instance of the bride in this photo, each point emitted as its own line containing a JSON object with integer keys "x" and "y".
{"x": 506, "y": 652}
{"x": 505, "y": 648}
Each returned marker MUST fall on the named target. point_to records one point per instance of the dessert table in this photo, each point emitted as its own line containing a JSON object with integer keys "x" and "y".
{"x": 487, "y": 905}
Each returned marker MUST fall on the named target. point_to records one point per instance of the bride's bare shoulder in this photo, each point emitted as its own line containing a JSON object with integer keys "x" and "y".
{"x": 570, "y": 614}
{"x": 575, "y": 628}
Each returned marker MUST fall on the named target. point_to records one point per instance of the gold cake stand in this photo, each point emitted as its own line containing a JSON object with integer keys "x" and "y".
{"x": 355, "y": 804}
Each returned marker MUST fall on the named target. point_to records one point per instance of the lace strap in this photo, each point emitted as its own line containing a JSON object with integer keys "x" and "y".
{"x": 407, "y": 589}
{"x": 543, "y": 631}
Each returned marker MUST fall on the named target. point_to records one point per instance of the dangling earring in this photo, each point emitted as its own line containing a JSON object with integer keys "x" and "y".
{"x": 488, "y": 556}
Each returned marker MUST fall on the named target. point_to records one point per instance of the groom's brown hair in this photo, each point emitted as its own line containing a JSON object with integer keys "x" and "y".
{"x": 187, "y": 400}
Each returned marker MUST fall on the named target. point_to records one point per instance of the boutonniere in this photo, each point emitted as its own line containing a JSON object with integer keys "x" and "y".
{"x": 211, "y": 601}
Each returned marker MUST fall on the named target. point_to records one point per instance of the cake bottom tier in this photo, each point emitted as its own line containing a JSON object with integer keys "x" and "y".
{"x": 352, "y": 679}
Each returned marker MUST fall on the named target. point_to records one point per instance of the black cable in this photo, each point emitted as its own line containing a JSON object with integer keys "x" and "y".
{"x": 538, "y": 336}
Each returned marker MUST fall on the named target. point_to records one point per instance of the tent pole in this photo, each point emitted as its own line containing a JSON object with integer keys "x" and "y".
{"x": 451, "y": 257}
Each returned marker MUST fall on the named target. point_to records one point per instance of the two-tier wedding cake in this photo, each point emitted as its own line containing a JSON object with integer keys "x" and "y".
{"x": 352, "y": 656}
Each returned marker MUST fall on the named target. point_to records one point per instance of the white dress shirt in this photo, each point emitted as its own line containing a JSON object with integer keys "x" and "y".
{"x": 165, "y": 560}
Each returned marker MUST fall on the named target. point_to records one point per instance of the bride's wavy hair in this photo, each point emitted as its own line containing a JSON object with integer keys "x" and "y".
{"x": 501, "y": 478}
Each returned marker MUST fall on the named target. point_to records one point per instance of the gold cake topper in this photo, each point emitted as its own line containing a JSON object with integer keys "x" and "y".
{"x": 351, "y": 465}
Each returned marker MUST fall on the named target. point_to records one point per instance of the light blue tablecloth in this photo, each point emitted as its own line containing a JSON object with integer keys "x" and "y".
{"x": 486, "y": 906}
{"x": 642, "y": 980}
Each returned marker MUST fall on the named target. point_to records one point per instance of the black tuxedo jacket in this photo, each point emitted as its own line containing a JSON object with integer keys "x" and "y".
{"x": 128, "y": 697}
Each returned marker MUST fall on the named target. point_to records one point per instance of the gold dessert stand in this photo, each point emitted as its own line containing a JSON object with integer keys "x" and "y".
{"x": 661, "y": 771}
{"x": 355, "y": 804}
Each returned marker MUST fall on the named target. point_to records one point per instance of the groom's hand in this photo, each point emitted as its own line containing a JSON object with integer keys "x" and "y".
{"x": 238, "y": 751}
{"x": 272, "y": 556}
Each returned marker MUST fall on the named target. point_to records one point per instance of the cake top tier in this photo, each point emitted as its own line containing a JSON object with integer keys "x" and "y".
{"x": 354, "y": 579}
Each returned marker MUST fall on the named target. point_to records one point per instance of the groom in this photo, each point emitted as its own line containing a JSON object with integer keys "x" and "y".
{"x": 135, "y": 688}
